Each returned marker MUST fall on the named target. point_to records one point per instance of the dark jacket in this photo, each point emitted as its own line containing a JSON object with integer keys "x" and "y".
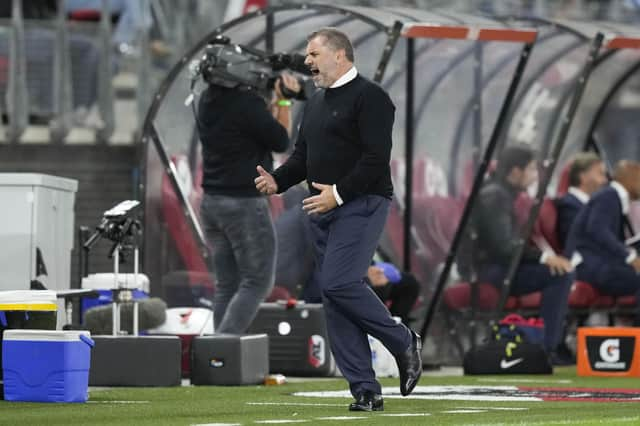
{"x": 237, "y": 133}
{"x": 495, "y": 222}
{"x": 598, "y": 233}
{"x": 568, "y": 207}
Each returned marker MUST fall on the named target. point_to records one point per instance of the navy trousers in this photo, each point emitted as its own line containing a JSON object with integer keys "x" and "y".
{"x": 531, "y": 277}
{"x": 345, "y": 239}
{"x": 612, "y": 279}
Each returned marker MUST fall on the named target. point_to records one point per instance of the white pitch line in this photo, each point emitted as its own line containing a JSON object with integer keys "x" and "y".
{"x": 308, "y": 404}
{"x": 403, "y": 415}
{"x": 463, "y": 411}
{"x": 217, "y": 424}
{"x": 280, "y": 421}
{"x": 436, "y": 393}
{"x": 340, "y": 418}
{"x": 494, "y": 408}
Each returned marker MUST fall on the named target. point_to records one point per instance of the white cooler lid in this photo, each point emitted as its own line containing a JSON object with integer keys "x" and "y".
{"x": 45, "y": 335}
{"x": 27, "y": 296}
{"x": 105, "y": 281}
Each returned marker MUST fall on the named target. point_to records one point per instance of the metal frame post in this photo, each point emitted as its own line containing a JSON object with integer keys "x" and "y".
{"x": 408, "y": 156}
{"x": 549, "y": 165}
{"x": 477, "y": 183}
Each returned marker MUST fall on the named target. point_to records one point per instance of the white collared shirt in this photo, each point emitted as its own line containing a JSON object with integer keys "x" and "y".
{"x": 346, "y": 77}
{"x": 623, "y": 194}
{"x": 582, "y": 196}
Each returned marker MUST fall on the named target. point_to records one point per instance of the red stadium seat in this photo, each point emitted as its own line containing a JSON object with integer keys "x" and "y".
{"x": 545, "y": 226}
{"x": 530, "y": 301}
{"x": 91, "y": 15}
{"x": 584, "y": 295}
{"x": 435, "y": 220}
{"x": 563, "y": 182}
{"x": 626, "y": 301}
{"x": 522, "y": 206}
{"x": 4, "y": 70}
{"x": 458, "y": 297}
{"x": 180, "y": 230}
{"x": 469, "y": 174}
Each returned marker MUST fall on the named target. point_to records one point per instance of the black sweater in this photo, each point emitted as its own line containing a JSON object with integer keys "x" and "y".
{"x": 237, "y": 133}
{"x": 344, "y": 139}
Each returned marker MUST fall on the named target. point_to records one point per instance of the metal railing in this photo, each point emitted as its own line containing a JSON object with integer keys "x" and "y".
{"x": 58, "y": 74}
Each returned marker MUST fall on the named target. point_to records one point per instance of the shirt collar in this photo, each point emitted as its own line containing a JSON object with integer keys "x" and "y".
{"x": 346, "y": 77}
{"x": 582, "y": 196}
{"x": 623, "y": 194}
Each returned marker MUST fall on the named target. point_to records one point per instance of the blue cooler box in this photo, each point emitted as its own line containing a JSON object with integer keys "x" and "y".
{"x": 46, "y": 365}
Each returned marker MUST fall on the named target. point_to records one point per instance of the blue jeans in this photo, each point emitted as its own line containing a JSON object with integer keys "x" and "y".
{"x": 241, "y": 234}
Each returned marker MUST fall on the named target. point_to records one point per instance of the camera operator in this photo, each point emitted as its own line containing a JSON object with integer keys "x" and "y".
{"x": 238, "y": 132}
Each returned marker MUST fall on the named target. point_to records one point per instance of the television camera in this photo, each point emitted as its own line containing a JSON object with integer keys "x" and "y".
{"x": 231, "y": 65}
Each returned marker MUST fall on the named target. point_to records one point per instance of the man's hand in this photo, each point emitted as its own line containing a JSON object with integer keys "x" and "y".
{"x": 559, "y": 265}
{"x": 322, "y": 202}
{"x": 636, "y": 264}
{"x": 376, "y": 276}
{"x": 265, "y": 183}
{"x": 289, "y": 82}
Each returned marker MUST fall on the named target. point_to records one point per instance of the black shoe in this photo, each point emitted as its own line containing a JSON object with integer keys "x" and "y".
{"x": 367, "y": 401}
{"x": 410, "y": 365}
{"x": 558, "y": 360}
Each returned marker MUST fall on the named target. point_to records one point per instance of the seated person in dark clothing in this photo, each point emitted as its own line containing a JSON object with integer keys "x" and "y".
{"x": 597, "y": 235}
{"x": 586, "y": 175}
{"x": 495, "y": 222}
{"x": 399, "y": 290}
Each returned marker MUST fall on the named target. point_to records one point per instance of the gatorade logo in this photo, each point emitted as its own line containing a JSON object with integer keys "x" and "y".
{"x": 610, "y": 353}
{"x": 316, "y": 351}
{"x": 610, "y": 350}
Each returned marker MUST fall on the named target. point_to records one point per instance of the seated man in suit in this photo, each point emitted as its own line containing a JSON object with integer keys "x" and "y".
{"x": 598, "y": 236}
{"x": 586, "y": 175}
{"x": 498, "y": 233}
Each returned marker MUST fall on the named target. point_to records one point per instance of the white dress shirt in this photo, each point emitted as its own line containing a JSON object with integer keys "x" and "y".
{"x": 623, "y": 194}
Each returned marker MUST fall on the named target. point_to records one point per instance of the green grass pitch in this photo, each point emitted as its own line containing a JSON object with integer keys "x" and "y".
{"x": 249, "y": 405}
